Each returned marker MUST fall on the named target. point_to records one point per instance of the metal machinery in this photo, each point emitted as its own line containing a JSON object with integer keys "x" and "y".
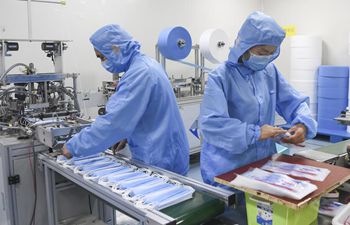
{"x": 189, "y": 92}
{"x": 38, "y": 113}
{"x": 344, "y": 118}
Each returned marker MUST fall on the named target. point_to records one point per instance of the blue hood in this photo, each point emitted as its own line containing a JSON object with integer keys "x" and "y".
{"x": 258, "y": 29}
{"x": 113, "y": 35}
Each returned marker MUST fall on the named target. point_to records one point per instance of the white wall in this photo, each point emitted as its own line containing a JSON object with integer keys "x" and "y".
{"x": 144, "y": 19}
{"x": 329, "y": 19}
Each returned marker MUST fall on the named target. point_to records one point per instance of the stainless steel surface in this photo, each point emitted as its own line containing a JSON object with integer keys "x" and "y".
{"x": 55, "y": 135}
{"x": 16, "y": 159}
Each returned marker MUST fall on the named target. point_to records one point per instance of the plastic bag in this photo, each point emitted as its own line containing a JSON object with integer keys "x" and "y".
{"x": 297, "y": 170}
{"x": 274, "y": 183}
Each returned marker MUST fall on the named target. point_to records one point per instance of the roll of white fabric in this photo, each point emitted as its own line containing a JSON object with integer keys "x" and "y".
{"x": 306, "y": 57}
{"x": 214, "y": 45}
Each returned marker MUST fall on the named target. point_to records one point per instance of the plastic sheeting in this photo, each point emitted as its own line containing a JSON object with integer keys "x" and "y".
{"x": 309, "y": 172}
{"x": 274, "y": 183}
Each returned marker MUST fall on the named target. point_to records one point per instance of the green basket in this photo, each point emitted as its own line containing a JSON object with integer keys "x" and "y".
{"x": 263, "y": 212}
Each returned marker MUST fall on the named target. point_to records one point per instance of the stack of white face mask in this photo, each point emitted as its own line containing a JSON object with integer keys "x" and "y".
{"x": 142, "y": 187}
{"x": 274, "y": 183}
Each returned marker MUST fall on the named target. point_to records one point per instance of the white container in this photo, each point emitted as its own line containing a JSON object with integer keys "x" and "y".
{"x": 306, "y": 57}
{"x": 349, "y": 43}
{"x": 306, "y": 75}
{"x": 305, "y": 41}
{"x": 303, "y": 85}
{"x": 308, "y": 88}
{"x": 313, "y": 108}
{"x": 306, "y": 53}
{"x": 305, "y": 64}
{"x": 311, "y": 94}
{"x": 342, "y": 216}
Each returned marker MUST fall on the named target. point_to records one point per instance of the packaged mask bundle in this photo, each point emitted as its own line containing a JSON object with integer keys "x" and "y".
{"x": 274, "y": 183}
{"x": 309, "y": 172}
{"x": 137, "y": 182}
{"x": 61, "y": 159}
{"x": 165, "y": 197}
{"x": 150, "y": 187}
{"x": 329, "y": 207}
{"x": 99, "y": 165}
{"x": 94, "y": 175}
{"x": 140, "y": 186}
{"x": 114, "y": 179}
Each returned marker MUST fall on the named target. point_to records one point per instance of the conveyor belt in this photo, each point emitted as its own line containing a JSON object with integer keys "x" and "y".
{"x": 197, "y": 210}
{"x": 201, "y": 208}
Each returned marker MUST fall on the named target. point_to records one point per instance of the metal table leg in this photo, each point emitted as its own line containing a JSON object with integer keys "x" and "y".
{"x": 51, "y": 195}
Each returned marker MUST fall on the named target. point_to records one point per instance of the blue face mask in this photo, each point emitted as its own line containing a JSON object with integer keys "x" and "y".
{"x": 110, "y": 67}
{"x": 115, "y": 65}
{"x": 258, "y": 62}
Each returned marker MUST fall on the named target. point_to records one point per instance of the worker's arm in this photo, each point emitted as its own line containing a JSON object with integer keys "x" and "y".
{"x": 292, "y": 106}
{"x": 124, "y": 110}
{"x": 223, "y": 131}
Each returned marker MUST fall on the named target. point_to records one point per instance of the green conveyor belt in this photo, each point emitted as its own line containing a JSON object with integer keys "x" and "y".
{"x": 197, "y": 210}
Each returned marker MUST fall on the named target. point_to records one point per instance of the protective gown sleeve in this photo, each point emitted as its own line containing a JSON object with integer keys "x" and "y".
{"x": 293, "y": 107}
{"x": 216, "y": 125}
{"x": 124, "y": 111}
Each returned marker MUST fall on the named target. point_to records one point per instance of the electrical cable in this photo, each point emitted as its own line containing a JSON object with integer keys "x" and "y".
{"x": 11, "y": 67}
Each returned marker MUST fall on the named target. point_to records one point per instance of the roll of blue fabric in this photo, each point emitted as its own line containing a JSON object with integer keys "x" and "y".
{"x": 175, "y": 43}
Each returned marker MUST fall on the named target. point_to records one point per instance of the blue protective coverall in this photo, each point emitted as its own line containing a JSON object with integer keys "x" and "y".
{"x": 239, "y": 100}
{"x": 143, "y": 110}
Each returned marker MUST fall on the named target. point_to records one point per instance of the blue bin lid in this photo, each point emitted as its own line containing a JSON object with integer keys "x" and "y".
{"x": 333, "y": 71}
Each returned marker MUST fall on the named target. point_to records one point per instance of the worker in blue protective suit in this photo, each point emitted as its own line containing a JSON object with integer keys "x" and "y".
{"x": 238, "y": 110}
{"x": 143, "y": 110}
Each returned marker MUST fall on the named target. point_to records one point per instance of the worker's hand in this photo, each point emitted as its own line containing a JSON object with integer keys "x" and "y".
{"x": 65, "y": 152}
{"x": 119, "y": 146}
{"x": 268, "y": 131}
{"x": 298, "y": 133}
